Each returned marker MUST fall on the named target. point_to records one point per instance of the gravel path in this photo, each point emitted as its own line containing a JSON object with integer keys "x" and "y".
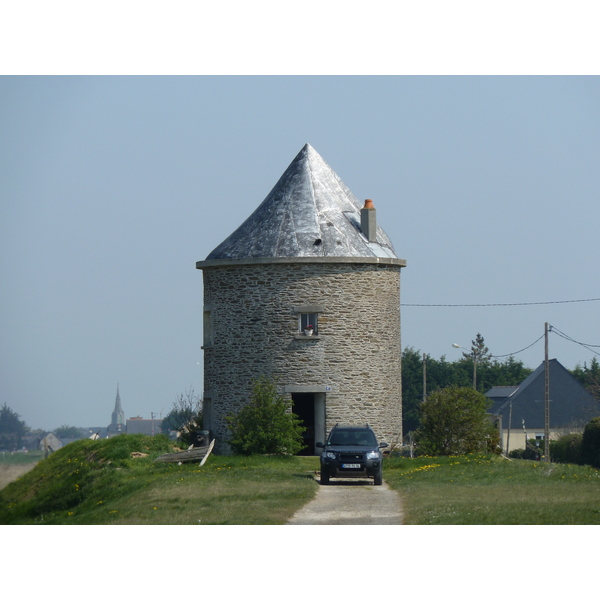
{"x": 351, "y": 502}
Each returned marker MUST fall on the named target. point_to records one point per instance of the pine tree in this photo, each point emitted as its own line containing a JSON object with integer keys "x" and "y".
{"x": 479, "y": 351}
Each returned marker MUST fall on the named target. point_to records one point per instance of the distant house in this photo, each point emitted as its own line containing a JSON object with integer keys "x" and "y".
{"x": 50, "y": 443}
{"x": 520, "y": 409}
{"x": 145, "y": 426}
{"x": 119, "y": 424}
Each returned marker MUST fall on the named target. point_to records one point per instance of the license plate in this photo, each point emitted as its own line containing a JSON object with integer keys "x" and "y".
{"x": 350, "y": 466}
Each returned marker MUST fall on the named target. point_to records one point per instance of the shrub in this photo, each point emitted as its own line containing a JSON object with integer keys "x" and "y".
{"x": 454, "y": 420}
{"x": 266, "y": 425}
{"x": 566, "y": 449}
{"x": 590, "y": 444}
{"x": 530, "y": 452}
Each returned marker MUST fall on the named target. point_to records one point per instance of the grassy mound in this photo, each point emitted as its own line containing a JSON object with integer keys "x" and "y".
{"x": 77, "y": 475}
{"x": 115, "y": 481}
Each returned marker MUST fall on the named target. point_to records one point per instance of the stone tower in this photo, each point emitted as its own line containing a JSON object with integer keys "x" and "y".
{"x": 117, "y": 422}
{"x": 306, "y": 290}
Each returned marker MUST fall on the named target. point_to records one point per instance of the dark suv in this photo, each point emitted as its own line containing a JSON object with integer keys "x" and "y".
{"x": 351, "y": 451}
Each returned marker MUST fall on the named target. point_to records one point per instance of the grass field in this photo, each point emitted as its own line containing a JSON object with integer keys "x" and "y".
{"x": 489, "y": 490}
{"x": 116, "y": 481}
{"x": 21, "y": 458}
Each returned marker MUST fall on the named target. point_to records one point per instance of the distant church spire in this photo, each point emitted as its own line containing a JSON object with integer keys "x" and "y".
{"x": 118, "y": 416}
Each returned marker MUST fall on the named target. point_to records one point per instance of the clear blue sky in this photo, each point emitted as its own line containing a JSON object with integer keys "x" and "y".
{"x": 112, "y": 188}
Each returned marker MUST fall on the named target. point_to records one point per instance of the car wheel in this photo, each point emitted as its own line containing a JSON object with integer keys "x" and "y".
{"x": 324, "y": 477}
{"x": 378, "y": 479}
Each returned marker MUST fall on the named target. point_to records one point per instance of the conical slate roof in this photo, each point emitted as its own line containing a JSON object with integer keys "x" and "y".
{"x": 309, "y": 213}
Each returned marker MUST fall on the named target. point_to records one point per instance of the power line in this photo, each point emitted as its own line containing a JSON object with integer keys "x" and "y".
{"x": 570, "y": 339}
{"x": 560, "y": 334}
{"x": 506, "y": 303}
{"x": 518, "y": 351}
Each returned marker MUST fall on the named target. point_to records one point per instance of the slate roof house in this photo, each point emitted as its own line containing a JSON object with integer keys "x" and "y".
{"x": 50, "y": 443}
{"x": 307, "y": 291}
{"x": 145, "y": 426}
{"x": 571, "y": 406}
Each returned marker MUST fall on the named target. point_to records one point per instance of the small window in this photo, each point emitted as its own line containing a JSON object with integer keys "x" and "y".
{"x": 308, "y": 323}
{"x": 208, "y": 327}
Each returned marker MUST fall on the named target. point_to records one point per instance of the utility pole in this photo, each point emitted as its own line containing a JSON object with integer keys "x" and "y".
{"x": 508, "y": 430}
{"x": 424, "y": 376}
{"x": 546, "y": 398}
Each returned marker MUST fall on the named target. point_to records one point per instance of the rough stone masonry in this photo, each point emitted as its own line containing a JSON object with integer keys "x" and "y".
{"x": 302, "y": 257}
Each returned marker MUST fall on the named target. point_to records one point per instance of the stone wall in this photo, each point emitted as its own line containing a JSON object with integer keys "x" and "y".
{"x": 251, "y": 329}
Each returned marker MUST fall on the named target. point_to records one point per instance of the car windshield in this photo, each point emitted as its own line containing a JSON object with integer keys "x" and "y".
{"x": 351, "y": 438}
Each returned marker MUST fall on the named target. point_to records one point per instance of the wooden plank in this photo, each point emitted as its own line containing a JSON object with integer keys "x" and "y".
{"x": 212, "y": 444}
{"x": 186, "y": 456}
{"x": 193, "y": 455}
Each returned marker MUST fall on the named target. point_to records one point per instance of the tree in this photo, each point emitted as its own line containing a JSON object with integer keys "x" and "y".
{"x": 185, "y": 417}
{"x": 509, "y": 372}
{"x": 266, "y": 425}
{"x": 589, "y": 377}
{"x": 441, "y": 373}
{"x": 454, "y": 420}
{"x": 12, "y": 429}
{"x": 566, "y": 449}
{"x": 412, "y": 388}
{"x": 479, "y": 351}
{"x": 67, "y": 431}
{"x": 590, "y": 444}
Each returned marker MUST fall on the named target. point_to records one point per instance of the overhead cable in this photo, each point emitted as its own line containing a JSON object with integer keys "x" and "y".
{"x": 560, "y": 334}
{"x": 570, "y": 339}
{"x": 507, "y": 303}
{"x": 518, "y": 351}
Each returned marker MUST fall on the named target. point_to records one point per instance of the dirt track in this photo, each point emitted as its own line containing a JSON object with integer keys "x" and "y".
{"x": 9, "y": 473}
{"x": 351, "y": 502}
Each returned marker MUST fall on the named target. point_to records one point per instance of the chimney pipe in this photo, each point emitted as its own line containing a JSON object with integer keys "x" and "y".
{"x": 368, "y": 221}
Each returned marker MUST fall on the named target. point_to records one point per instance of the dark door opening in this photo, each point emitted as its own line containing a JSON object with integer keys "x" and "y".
{"x": 303, "y": 405}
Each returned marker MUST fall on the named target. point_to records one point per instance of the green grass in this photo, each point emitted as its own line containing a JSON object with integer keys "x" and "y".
{"x": 489, "y": 490}
{"x": 98, "y": 482}
{"x": 20, "y": 458}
